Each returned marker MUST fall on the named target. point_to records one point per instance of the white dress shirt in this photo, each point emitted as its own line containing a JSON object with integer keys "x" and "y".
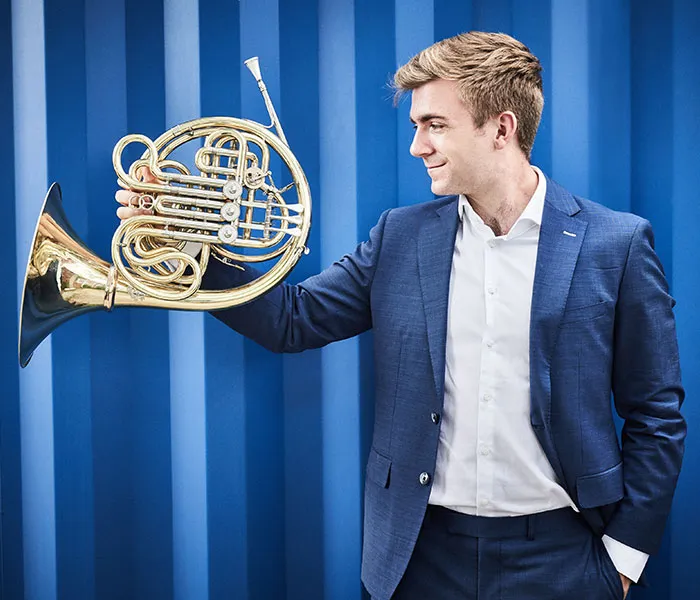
{"x": 489, "y": 462}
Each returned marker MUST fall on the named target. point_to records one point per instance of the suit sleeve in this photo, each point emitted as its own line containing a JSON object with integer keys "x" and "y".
{"x": 327, "y": 307}
{"x": 648, "y": 396}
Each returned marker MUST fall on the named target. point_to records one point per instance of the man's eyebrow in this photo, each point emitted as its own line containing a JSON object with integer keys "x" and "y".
{"x": 427, "y": 117}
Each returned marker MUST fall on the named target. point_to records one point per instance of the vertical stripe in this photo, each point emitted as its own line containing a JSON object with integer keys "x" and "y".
{"x": 11, "y": 567}
{"x": 652, "y": 84}
{"x": 452, "y": 17}
{"x": 36, "y": 394}
{"x": 187, "y": 391}
{"x": 493, "y": 15}
{"x": 570, "y": 107}
{"x": 149, "y": 373}
{"x": 110, "y": 350}
{"x": 339, "y": 365}
{"x": 532, "y": 26}
{"x": 265, "y": 492}
{"x": 302, "y": 375}
{"x": 686, "y": 284}
{"x": 377, "y": 166}
{"x": 67, "y": 163}
{"x": 414, "y": 30}
{"x": 609, "y": 95}
{"x": 219, "y": 24}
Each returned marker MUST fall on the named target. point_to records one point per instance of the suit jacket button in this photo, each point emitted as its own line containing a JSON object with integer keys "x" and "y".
{"x": 424, "y": 478}
{"x": 435, "y": 417}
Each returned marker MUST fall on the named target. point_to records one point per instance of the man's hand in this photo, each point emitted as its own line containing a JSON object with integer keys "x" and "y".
{"x": 626, "y": 583}
{"x": 131, "y": 201}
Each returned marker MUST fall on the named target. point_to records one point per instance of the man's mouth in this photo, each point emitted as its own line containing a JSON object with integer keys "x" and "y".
{"x": 433, "y": 167}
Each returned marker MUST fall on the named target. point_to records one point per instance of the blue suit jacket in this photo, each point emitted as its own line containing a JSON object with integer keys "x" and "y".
{"x": 601, "y": 322}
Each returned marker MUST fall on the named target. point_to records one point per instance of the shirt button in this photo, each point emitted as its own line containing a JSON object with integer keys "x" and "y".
{"x": 424, "y": 478}
{"x": 487, "y": 398}
{"x": 491, "y": 290}
{"x": 484, "y": 502}
{"x": 489, "y": 343}
{"x": 491, "y": 243}
{"x": 435, "y": 417}
{"x": 484, "y": 450}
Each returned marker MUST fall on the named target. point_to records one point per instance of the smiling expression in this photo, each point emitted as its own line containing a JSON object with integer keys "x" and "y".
{"x": 459, "y": 158}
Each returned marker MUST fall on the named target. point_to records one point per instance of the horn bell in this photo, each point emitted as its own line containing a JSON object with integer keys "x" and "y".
{"x": 64, "y": 278}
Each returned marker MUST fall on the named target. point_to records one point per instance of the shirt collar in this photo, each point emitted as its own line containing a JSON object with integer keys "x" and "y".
{"x": 532, "y": 212}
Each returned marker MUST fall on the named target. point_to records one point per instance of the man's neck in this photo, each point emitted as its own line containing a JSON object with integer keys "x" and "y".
{"x": 503, "y": 202}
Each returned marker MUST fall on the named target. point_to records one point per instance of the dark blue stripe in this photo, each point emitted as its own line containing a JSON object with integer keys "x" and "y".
{"x": 220, "y": 74}
{"x": 493, "y": 15}
{"x": 685, "y": 209}
{"x": 303, "y": 444}
{"x": 66, "y": 131}
{"x": 111, "y": 350}
{"x": 11, "y": 571}
{"x": 609, "y": 93}
{"x": 452, "y": 17}
{"x": 263, "y": 384}
{"x": 532, "y": 25}
{"x": 149, "y": 361}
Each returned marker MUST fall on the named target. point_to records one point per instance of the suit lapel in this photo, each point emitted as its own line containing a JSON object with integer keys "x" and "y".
{"x": 435, "y": 248}
{"x": 561, "y": 238}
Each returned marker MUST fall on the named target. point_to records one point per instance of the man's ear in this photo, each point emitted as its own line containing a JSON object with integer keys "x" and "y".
{"x": 507, "y": 124}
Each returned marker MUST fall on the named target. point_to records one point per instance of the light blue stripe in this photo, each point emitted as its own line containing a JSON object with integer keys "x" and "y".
{"x": 36, "y": 394}
{"x": 414, "y": 30}
{"x": 188, "y": 423}
{"x": 187, "y": 381}
{"x": 259, "y": 27}
{"x": 181, "y": 33}
{"x": 339, "y": 362}
{"x": 569, "y": 101}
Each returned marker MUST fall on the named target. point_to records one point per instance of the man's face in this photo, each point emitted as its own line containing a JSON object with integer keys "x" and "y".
{"x": 459, "y": 157}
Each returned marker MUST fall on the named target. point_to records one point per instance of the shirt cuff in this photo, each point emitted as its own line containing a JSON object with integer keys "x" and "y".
{"x": 628, "y": 561}
{"x": 192, "y": 248}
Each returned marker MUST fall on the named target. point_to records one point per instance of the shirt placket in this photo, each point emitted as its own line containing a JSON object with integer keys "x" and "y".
{"x": 487, "y": 383}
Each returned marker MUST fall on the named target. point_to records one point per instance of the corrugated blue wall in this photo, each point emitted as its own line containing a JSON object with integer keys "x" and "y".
{"x": 146, "y": 454}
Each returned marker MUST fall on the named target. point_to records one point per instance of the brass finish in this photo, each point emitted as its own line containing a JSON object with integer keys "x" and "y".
{"x": 228, "y": 203}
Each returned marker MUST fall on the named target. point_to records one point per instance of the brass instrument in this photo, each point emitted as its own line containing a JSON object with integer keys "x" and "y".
{"x": 230, "y": 206}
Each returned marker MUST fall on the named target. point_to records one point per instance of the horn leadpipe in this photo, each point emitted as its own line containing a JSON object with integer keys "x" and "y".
{"x": 254, "y": 67}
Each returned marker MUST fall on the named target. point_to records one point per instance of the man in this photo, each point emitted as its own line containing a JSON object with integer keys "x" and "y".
{"x": 504, "y": 315}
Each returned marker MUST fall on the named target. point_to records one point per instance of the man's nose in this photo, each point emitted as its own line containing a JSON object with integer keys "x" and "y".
{"x": 419, "y": 146}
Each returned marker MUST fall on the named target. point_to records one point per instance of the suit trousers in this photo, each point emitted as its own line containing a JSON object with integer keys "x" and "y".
{"x": 547, "y": 556}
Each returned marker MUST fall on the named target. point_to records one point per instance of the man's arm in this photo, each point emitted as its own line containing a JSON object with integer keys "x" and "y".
{"x": 648, "y": 396}
{"x": 327, "y": 307}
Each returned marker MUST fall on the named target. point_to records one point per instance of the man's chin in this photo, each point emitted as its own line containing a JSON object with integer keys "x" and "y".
{"x": 439, "y": 188}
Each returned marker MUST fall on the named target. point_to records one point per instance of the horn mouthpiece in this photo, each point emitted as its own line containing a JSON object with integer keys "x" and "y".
{"x": 254, "y": 67}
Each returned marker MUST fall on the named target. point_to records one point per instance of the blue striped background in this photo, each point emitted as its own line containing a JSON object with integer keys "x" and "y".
{"x": 146, "y": 454}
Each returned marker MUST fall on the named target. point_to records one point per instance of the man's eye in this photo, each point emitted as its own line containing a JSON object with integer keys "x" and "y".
{"x": 436, "y": 126}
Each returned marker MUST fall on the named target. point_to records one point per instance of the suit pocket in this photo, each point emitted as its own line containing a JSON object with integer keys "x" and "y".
{"x": 585, "y": 313}
{"x": 378, "y": 468}
{"x": 601, "y": 488}
{"x": 609, "y": 573}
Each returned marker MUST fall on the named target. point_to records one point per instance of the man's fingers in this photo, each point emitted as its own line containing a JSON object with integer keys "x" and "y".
{"x": 124, "y": 196}
{"x": 134, "y": 203}
{"x": 124, "y": 212}
{"x": 145, "y": 174}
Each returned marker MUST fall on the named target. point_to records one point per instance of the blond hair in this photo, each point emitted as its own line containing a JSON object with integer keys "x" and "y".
{"x": 494, "y": 73}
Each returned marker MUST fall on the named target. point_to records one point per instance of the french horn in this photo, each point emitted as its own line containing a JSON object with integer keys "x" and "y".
{"x": 226, "y": 204}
